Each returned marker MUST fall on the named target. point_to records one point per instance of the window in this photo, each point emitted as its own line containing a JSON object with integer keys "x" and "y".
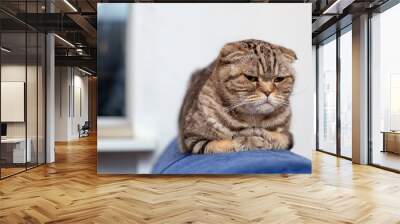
{"x": 111, "y": 38}
{"x": 327, "y": 97}
{"x": 346, "y": 94}
{"x": 385, "y": 89}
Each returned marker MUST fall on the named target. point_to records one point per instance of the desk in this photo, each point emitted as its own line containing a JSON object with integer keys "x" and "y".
{"x": 391, "y": 141}
{"x": 13, "y": 150}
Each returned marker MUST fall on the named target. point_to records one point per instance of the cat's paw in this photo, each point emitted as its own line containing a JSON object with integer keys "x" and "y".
{"x": 255, "y": 142}
{"x": 281, "y": 140}
{"x": 220, "y": 146}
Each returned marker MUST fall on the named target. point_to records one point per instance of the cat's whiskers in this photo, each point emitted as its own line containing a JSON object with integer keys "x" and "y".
{"x": 230, "y": 108}
{"x": 252, "y": 97}
{"x": 244, "y": 102}
{"x": 284, "y": 103}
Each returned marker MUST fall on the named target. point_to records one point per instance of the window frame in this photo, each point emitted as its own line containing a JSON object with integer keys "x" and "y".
{"x": 334, "y": 37}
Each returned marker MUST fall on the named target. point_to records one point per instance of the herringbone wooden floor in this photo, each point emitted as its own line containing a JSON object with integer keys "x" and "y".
{"x": 70, "y": 191}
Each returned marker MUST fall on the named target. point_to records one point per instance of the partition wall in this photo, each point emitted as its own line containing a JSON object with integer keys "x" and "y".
{"x": 22, "y": 76}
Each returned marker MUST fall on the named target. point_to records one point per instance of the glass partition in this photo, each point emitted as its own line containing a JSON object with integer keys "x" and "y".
{"x": 31, "y": 97}
{"x": 22, "y": 67}
{"x": 14, "y": 153}
{"x": 34, "y": 51}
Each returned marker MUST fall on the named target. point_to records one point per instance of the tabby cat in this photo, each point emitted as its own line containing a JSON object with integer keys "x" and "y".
{"x": 240, "y": 101}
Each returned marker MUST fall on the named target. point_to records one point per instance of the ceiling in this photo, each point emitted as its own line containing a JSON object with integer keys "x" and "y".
{"x": 73, "y": 20}
{"x": 76, "y": 22}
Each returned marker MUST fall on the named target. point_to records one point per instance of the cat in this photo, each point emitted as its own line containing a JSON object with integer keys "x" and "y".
{"x": 240, "y": 101}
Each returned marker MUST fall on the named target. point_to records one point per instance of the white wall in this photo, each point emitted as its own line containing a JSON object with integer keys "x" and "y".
{"x": 169, "y": 41}
{"x": 61, "y": 103}
{"x": 68, "y": 83}
{"x": 33, "y": 126}
{"x": 81, "y": 94}
{"x": 16, "y": 72}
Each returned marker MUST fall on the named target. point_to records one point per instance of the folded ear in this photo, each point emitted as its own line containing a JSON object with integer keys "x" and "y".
{"x": 231, "y": 52}
{"x": 288, "y": 54}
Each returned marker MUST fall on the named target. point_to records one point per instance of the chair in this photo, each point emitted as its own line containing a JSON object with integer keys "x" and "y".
{"x": 84, "y": 130}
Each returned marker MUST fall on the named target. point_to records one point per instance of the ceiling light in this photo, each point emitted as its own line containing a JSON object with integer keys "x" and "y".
{"x": 70, "y": 5}
{"x": 5, "y": 50}
{"x": 84, "y": 71}
{"x": 65, "y": 41}
{"x": 328, "y": 10}
{"x": 338, "y": 6}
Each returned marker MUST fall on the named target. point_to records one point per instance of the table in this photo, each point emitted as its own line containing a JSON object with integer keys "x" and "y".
{"x": 391, "y": 141}
{"x": 13, "y": 150}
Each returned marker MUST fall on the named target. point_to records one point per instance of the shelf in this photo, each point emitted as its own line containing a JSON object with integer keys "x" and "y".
{"x": 126, "y": 145}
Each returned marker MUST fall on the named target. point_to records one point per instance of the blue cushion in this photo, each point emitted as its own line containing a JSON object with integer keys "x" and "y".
{"x": 172, "y": 161}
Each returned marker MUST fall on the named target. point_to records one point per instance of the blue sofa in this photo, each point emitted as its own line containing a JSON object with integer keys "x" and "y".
{"x": 172, "y": 161}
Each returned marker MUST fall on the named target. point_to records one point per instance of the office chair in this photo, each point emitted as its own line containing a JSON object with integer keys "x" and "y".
{"x": 84, "y": 130}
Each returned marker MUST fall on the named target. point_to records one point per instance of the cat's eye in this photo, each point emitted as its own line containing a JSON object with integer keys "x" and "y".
{"x": 279, "y": 79}
{"x": 251, "y": 78}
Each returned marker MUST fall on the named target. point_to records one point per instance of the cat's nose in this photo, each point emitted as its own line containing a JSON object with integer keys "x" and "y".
{"x": 267, "y": 88}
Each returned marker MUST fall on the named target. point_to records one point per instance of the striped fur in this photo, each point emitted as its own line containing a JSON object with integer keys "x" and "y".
{"x": 240, "y": 101}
